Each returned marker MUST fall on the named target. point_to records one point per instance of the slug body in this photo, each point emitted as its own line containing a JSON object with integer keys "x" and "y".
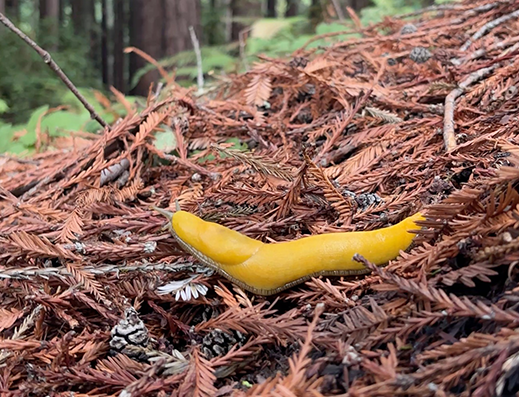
{"x": 266, "y": 269}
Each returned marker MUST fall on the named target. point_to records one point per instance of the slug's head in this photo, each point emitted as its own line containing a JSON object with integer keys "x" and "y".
{"x": 219, "y": 243}
{"x": 167, "y": 214}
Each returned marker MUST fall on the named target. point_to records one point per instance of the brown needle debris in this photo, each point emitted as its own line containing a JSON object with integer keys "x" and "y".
{"x": 98, "y": 300}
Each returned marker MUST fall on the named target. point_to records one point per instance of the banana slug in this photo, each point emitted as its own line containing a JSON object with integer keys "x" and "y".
{"x": 266, "y": 269}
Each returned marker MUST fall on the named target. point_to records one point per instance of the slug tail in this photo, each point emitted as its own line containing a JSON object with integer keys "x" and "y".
{"x": 412, "y": 225}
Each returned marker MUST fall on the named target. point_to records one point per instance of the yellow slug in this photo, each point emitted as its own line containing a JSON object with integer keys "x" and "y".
{"x": 266, "y": 269}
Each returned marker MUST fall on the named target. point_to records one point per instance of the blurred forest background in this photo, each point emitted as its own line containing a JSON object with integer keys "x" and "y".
{"x": 88, "y": 38}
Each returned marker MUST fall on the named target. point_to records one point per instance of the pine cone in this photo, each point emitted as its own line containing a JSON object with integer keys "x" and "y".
{"x": 129, "y": 332}
{"x": 218, "y": 343}
{"x": 408, "y": 28}
{"x": 420, "y": 55}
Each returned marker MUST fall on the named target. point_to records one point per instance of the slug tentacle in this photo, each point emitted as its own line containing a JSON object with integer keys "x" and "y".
{"x": 267, "y": 269}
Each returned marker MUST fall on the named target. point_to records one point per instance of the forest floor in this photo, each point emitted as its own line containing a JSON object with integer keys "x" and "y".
{"x": 420, "y": 114}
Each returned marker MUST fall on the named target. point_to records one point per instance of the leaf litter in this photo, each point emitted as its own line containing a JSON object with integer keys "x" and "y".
{"x": 420, "y": 113}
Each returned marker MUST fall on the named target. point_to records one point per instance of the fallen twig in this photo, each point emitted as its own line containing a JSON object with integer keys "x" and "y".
{"x": 449, "y": 136}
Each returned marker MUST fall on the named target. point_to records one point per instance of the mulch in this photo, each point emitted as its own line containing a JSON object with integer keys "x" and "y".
{"x": 419, "y": 113}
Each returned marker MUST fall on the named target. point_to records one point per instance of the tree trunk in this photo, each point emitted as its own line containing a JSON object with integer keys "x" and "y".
{"x": 179, "y": 16}
{"x": 62, "y": 16}
{"x": 49, "y": 9}
{"x": 84, "y": 24}
{"x": 94, "y": 30}
{"x": 315, "y": 13}
{"x": 43, "y": 9}
{"x": 118, "y": 45}
{"x": 358, "y": 5}
{"x": 105, "y": 72}
{"x": 271, "y": 9}
{"x": 243, "y": 8}
{"x": 80, "y": 17}
{"x": 292, "y": 8}
{"x": 146, "y": 34}
{"x": 160, "y": 31}
{"x": 49, "y": 23}
{"x": 234, "y": 10}
{"x": 214, "y": 30}
{"x": 2, "y": 6}
{"x": 12, "y": 9}
{"x": 228, "y": 19}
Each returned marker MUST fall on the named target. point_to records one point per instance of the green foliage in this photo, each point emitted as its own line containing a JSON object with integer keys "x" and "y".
{"x": 383, "y": 8}
{"x": 212, "y": 21}
{"x": 3, "y": 107}
{"x": 63, "y": 122}
{"x": 26, "y": 82}
{"x": 55, "y": 122}
{"x": 29, "y": 139}
{"x": 294, "y": 33}
{"x": 165, "y": 140}
{"x": 236, "y": 145}
{"x": 216, "y": 59}
{"x": 268, "y": 27}
{"x": 6, "y": 144}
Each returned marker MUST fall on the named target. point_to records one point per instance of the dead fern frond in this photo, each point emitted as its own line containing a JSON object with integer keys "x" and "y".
{"x": 34, "y": 246}
{"x": 16, "y": 342}
{"x": 453, "y": 305}
{"x": 258, "y": 90}
{"x": 72, "y": 228}
{"x": 146, "y": 129}
{"x": 121, "y": 366}
{"x": 9, "y": 317}
{"x": 129, "y": 192}
{"x": 383, "y": 115}
{"x": 296, "y": 382}
{"x": 87, "y": 280}
{"x": 365, "y": 158}
{"x": 189, "y": 195}
{"x": 318, "y": 64}
{"x": 357, "y": 323}
{"x": 260, "y": 164}
{"x": 199, "y": 379}
{"x": 385, "y": 369}
{"x": 343, "y": 205}
{"x": 465, "y": 275}
{"x": 293, "y": 194}
{"x": 256, "y": 320}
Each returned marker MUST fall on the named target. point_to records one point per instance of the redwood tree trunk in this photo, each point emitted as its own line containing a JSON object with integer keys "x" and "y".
{"x": 95, "y": 35}
{"x": 315, "y": 13}
{"x": 179, "y": 16}
{"x": 49, "y": 9}
{"x": 271, "y": 9}
{"x": 118, "y": 45}
{"x": 147, "y": 25}
{"x": 80, "y": 16}
{"x": 12, "y": 9}
{"x": 49, "y": 22}
{"x": 358, "y": 5}
{"x": 292, "y": 8}
{"x": 83, "y": 21}
{"x": 105, "y": 72}
{"x": 160, "y": 31}
{"x": 243, "y": 8}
